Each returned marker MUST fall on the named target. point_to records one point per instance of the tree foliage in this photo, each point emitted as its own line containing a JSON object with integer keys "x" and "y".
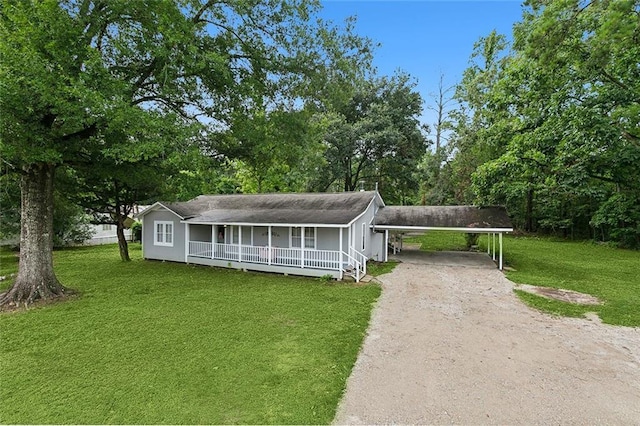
{"x": 474, "y": 138}
{"x": 553, "y": 131}
{"x": 375, "y": 137}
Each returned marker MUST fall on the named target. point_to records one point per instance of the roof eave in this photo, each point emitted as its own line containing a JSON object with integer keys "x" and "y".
{"x": 442, "y": 228}
{"x": 154, "y": 207}
{"x": 280, "y": 224}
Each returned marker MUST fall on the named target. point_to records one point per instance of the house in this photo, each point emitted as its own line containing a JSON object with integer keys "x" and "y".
{"x": 105, "y": 233}
{"x": 311, "y": 234}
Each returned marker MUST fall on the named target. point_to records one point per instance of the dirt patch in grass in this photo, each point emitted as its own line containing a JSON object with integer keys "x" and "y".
{"x": 560, "y": 294}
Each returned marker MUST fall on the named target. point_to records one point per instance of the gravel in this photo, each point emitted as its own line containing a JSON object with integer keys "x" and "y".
{"x": 449, "y": 342}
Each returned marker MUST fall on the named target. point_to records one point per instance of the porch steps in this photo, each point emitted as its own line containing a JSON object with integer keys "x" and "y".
{"x": 352, "y": 277}
{"x": 367, "y": 278}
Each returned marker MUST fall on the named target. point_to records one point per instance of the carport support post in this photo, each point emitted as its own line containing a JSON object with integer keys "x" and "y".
{"x": 494, "y": 245}
{"x": 386, "y": 245}
{"x": 500, "y": 239}
{"x": 488, "y": 243}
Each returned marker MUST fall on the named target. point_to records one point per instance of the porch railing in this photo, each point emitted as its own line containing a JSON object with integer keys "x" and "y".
{"x": 294, "y": 257}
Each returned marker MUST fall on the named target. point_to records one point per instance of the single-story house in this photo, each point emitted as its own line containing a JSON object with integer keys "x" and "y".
{"x": 311, "y": 234}
{"x": 105, "y": 233}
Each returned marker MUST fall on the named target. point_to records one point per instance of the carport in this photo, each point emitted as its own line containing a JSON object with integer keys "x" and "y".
{"x": 491, "y": 220}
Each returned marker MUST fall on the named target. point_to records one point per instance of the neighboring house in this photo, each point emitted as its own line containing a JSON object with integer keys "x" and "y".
{"x": 312, "y": 234}
{"x": 105, "y": 234}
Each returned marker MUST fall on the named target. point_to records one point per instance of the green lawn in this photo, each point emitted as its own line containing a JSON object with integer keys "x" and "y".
{"x": 380, "y": 268}
{"x": 611, "y": 274}
{"x": 152, "y": 342}
{"x": 439, "y": 241}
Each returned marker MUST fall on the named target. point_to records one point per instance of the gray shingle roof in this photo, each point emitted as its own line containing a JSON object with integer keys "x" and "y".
{"x": 444, "y": 217}
{"x": 293, "y": 208}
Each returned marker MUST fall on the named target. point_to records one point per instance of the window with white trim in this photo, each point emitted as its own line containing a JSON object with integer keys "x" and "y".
{"x": 309, "y": 237}
{"x": 163, "y": 234}
{"x": 232, "y": 234}
{"x": 364, "y": 236}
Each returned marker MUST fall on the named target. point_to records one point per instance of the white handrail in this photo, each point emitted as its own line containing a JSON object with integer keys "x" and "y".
{"x": 357, "y": 265}
{"x": 360, "y": 257}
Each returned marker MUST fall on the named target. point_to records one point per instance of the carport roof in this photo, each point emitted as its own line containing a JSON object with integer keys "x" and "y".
{"x": 460, "y": 218}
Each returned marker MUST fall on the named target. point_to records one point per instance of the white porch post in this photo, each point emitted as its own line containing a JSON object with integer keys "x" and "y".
{"x": 340, "y": 250}
{"x": 186, "y": 242}
{"x": 214, "y": 228}
{"x": 500, "y": 239}
{"x": 302, "y": 246}
{"x": 239, "y": 243}
{"x": 269, "y": 248}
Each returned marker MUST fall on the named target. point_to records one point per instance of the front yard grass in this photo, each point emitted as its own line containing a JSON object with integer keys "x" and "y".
{"x": 152, "y": 342}
{"x": 612, "y": 275}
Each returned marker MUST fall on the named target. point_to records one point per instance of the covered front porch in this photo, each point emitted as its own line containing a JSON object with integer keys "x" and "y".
{"x": 303, "y": 250}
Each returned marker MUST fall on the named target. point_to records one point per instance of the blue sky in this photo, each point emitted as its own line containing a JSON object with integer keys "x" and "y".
{"x": 425, "y": 38}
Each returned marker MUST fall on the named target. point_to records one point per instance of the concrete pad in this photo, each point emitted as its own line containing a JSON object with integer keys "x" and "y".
{"x": 445, "y": 258}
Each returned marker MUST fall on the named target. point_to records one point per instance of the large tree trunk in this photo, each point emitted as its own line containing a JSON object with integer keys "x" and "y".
{"x": 36, "y": 279}
{"x": 122, "y": 241}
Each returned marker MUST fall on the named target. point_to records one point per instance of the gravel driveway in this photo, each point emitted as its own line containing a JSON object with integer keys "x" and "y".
{"x": 449, "y": 342}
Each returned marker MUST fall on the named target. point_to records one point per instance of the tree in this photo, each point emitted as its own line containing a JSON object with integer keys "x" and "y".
{"x": 442, "y": 100}
{"x": 125, "y": 180}
{"x": 75, "y": 71}
{"x": 574, "y": 122}
{"x": 434, "y": 170}
{"x": 70, "y": 222}
{"x": 375, "y": 136}
{"x": 474, "y": 121}
{"x": 71, "y": 225}
{"x": 272, "y": 151}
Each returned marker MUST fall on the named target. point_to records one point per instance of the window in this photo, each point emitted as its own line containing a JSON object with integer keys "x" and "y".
{"x": 296, "y": 237}
{"x": 232, "y": 235}
{"x": 106, "y": 227}
{"x": 163, "y": 235}
{"x": 309, "y": 237}
{"x": 364, "y": 236}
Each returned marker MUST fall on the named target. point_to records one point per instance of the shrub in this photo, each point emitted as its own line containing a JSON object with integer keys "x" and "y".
{"x": 471, "y": 239}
